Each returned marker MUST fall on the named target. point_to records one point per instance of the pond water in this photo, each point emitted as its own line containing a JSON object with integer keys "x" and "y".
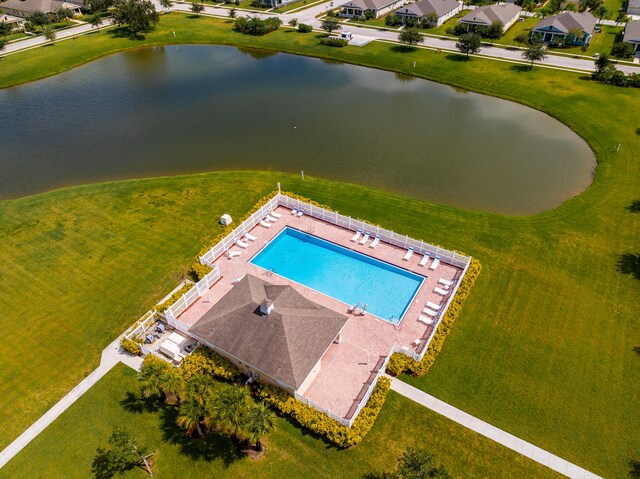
{"x": 183, "y": 109}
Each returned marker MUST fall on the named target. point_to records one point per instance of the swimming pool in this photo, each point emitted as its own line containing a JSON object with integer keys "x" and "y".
{"x": 341, "y": 273}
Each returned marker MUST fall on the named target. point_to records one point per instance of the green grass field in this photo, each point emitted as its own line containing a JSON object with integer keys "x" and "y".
{"x": 68, "y": 446}
{"x": 544, "y": 347}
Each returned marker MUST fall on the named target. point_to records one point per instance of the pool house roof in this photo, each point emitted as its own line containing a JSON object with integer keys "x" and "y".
{"x": 271, "y": 328}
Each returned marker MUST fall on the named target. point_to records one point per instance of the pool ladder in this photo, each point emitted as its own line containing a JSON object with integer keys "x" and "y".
{"x": 363, "y": 308}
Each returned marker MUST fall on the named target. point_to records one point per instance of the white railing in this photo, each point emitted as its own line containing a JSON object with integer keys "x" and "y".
{"x": 402, "y": 241}
{"x": 228, "y": 241}
{"x": 141, "y": 326}
{"x": 328, "y": 412}
{"x": 198, "y": 289}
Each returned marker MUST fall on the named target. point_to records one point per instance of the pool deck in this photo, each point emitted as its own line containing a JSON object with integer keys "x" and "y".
{"x": 346, "y": 367}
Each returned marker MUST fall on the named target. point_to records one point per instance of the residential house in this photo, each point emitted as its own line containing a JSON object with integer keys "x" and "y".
{"x": 271, "y": 332}
{"x": 16, "y": 23}
{"x": 633, "y": 8}
{"x": 632, "y": 34}
{"x": 505, "y": 13}
{"x": 443, "y": 9}
{"x": 556, "y": 28}
{"x": 26, "y": 8}
{"x": 373, "y": 8}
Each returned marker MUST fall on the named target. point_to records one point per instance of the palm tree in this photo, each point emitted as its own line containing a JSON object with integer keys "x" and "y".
{"x": 229, "y": 410}
{"x": 190, "y": 416}
{"x": 172, "y": 382}
{"x": 260, "y": 422}
{"x": 199, "y": 388}
{"x": 150, "y": 378}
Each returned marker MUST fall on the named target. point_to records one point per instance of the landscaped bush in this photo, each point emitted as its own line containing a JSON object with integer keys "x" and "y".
{"x": 304, "y": 28}
{"x": 457, "y": 30}
{"x": 162, "y": 307}
{"x": 257, "y": 26}
{"x": 622, "y": 50}
{"x": 400, "y": 363}
{"x": 131, "y": 346}
{"x": 205, "y": 361}
{"x": 322, "y": 424}
{"x": 393, "y": 20}
{"x": 334, "y": 42}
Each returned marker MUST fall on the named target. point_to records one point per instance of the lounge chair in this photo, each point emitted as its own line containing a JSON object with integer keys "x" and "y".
{"x": 375, "y": 242}
{"x": 242, "y": 244}
{"x": 299, "y": 213}
{"x": 435, "y": 263}
{"x": 294, "y": 212}
{"x": 441, "y": 291}
{"x": 356, "y": 236}
{"x": 276, "y": 215}
{"x": 365, "y": 238}
{"x": 429, "y": 312}
{"x": 433, "y": 306}
{"x": 233, "y": 253}
{"x": 250, "y": 237}
{"x": 424, "y": 260}
{"x": 265, "y": 224}
{"x": 271, "y": 218}
{"x": 408, "y": 254}
{"x": 445, "y": 282}
{"x": 425, "y": 320}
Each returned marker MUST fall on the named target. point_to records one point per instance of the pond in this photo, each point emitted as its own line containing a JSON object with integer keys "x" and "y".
{"x": 183, "y": 109}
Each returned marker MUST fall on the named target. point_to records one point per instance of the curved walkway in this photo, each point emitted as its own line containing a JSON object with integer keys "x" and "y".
{"x": 487, "y": 430}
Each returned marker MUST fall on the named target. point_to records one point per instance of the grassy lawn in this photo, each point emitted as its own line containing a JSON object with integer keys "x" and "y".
{"x": 442, "y": 29}
{"x": 246, "y": 4}
{"x": 68, "y": 446}
{"x": 600, "y": 43}
{"x": 374, "y": 22}
{"x": 16, "y": 36}
{"x": 544, "y": 347}
{"x": 299, "y": 4}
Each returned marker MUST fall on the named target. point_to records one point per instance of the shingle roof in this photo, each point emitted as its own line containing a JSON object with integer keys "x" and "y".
{"x": 632, "y": 32}
{"x": 424, "y": 7}
{"x": 369, "y": 4}
{"x": 30, "y": 6}
{"x": 285, "y": 344}
{"x": 567, "y": 21}
{"x": 633, "y": 5}
{"x": 488, "y": 14}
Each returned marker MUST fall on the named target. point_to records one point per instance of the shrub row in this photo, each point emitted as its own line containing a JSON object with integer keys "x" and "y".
{"x": 320, "y": 423}
{"x": 205, "y": 361}
{"x": 400, "y": 363}
{"x": 257, "y": 26}
{"x": 304, "y": 28}
{"x": 131, "y": 346}
{"x": 334, "y": 42}
{"x": 162, "y": 307}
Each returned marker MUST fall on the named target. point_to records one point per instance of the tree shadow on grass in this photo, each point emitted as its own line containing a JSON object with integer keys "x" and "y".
{"x": 125, "y": 32}
{"x": 457, "y": 58}
{"x": 209, "y": 448}
{"x": 520, "y": 68}
{"x": 403, "y": 49}
{"x": 636, "y": 349}
{"x": 629, "y": 263}
{"x": 307, "y": 432}
{"x": 638, "y": 131}
{"x": 634, "y": 469}
{"x": 139, "y": 404}
{"x": 634, "y": 207}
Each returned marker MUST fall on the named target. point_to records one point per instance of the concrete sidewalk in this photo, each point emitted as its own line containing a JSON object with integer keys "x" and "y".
{"x": 111, "y": 356}
{"x": 491, "y": 432}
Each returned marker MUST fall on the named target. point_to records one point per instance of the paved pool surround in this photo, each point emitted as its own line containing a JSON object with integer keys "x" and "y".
{"x": 347, "y": 366}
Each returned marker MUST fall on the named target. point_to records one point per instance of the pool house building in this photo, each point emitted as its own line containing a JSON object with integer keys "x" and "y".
{"x": 322, "y": 328}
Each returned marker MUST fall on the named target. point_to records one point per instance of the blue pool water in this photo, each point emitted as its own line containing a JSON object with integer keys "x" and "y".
{"x": 343, "y": 274}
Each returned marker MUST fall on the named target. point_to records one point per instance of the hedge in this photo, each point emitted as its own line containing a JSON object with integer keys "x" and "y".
{"x": 131, "y": 346}
{"x": 400, "y": 363}
{"x": 320, "y": 423}
{"x": 205, "y": 361}
{"x": 162, "y": 307}
{"x": 199, "y": 270}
